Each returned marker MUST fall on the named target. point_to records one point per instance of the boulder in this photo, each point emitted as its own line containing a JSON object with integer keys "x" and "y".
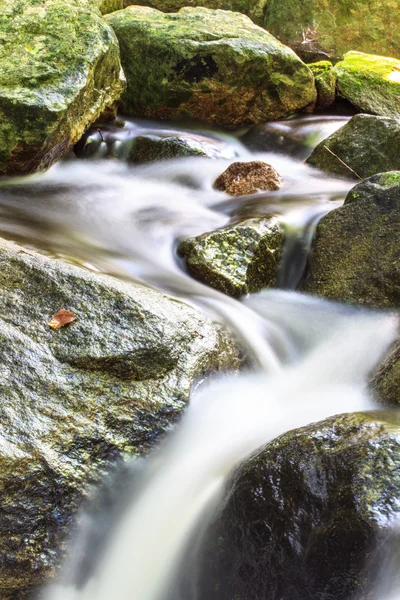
{"x": 242, "y": 178}
{"x": 354, "y": 257}
{"x": 59, "y": 71}
{"x": 312, "y": 514}
{"x": 366, "y": 145}
{"x": 206, "y": 64}
{"x": 151, "y": 148}
{"x": 329, "y": 29}
{"x": 371, "y": 83}
{"x": 325, "y": 82}
{"x": 254, "y": 9}
{"x": 77, "y": 398}
{"x": 237, "y": 259}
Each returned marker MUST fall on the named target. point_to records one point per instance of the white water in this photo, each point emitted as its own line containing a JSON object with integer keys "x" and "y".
{"x": 310, "y": 358}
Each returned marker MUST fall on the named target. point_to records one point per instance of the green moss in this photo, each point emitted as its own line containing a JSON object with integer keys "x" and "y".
{"x": 333, "y": 28}
{"x": 325, "y": 82}
{"x": 59, "y": 70}
{"x": 212, "y": 65}
{"x": 237, "y": 259}
{"x": 371, "y": 83}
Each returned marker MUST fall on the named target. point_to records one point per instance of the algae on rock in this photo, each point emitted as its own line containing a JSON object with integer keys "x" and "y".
{"x": 315, "y": 512}
{"x": 237, "y": 259}
{"x": 330, "y": 29}
{"x": 212, "y": 65}
{"x": 59, "y": 71}
{"x": 366, "y": 145}
{"x": 75, "y": 399}
{"x": 355, "y": 254}
{"x": 371, "y": 83}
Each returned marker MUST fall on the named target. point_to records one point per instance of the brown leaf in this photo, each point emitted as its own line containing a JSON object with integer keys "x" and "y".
{"x": 61, "y": 318}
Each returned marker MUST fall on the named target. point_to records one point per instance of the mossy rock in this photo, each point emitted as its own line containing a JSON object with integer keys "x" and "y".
{"x": 325, "y": 82}
{"x": 76, "y": 399}
{"x": 366, "y": 145}
{"x": 109, "y": 6}
{"x": 255, "y": 9}
{"x": 371, "y": 83}
{"x": 320, "y": 27}
{"x": 151, "y": 148}
{"x": 206, "y": 64}
{"x": 237, "y": 259}
{"x": 59, "y": 71}
{"x": 355, "y": 256}
{"x": 312, "y": 514}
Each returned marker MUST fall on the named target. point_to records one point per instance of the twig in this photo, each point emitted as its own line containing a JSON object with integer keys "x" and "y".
{"x": 343, "y": 163}
{"x": 101, "y": 135}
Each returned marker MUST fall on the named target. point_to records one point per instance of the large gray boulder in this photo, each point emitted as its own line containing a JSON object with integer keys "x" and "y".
{"x": 366, "y": 145}
{"x": 75, "y": 399}
{"x": 59, "y": 71}
{"x": 355, "y": 253}
{"x": 310, "y": 515}
{"x": 212, "y": 65}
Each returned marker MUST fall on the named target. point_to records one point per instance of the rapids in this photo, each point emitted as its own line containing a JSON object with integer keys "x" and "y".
{"x": 125, "y": 221}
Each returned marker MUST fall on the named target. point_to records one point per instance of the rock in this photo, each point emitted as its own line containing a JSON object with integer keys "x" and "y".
{"x": 206, "y": 64}
{"x": 355, "y": 251}
{"x": 328, "y": 30}
{"x": 325, "y": 82}
{"x": 366, "y": 145}
{"x": 254, "y": 9}
{"x": 151, "y": 148}
{"x": 371, "y": 83}
{"x": 76, "y": 399}
{"x": 385, "y": 383}
{"x": 312, "y": 514}
{"x": 242, "y": 178}
{"x": 237, "y": 259}
{"x": 109, "y": 6}
{"x": 59, "y": 71}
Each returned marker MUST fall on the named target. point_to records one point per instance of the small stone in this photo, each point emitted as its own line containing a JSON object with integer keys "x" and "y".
{"x": 242, "y": 178}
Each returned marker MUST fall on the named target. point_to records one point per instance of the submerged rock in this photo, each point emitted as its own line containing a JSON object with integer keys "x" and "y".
{"x": 77, "y": 398}
{"x": 242, "y": 178}
{"x": 366, "y": 145}
{"x": 59, "y": 71}
{"x": 371, "y": 83}
{"x": 355, "y": 256}
{"x": 151, "y": 148}
{"x": 207, "y": 64}
{"x": 325, "y": 82}
{"x": 237, "y": 259}
{"x": 313, "y": 514}
{"x": 330, "y": 29}
{"x": 254, "y": 9}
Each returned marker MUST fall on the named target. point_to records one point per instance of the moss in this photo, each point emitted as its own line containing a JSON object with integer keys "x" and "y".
{"x": 371, "y": 83}
{"x": 236, "y": 259}
{"x": 325, "y": 82}
{"x": 355, "y": 252}
{"x": 333, "y": 28}
{"x": 364, "y": 146}
{"x": 211, "y": 65}
{"x": 59, "y": 70}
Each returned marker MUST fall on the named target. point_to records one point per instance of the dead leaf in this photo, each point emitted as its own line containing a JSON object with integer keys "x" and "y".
{"x": 61, "y": 318}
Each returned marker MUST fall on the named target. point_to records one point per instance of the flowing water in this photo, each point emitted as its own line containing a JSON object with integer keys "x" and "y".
{"x": 126, "y": 221}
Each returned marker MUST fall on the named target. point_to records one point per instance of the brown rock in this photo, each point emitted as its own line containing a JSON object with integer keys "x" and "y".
{"x": 242, "y": 178}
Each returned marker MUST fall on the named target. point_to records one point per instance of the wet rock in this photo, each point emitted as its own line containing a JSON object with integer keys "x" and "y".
{"x": 242, "y": 178}
{"x": 151, "y": 148}
{"x": 254, "y": 9}
{"x": 329, "y": 29}
{"x": 59, "y": 71}
{"x": 371, "y": 83}
{"x": 355, "y": 254}
{"x": 76, "y": 399}
{"x": 313, "y": 514}
{"x": 366, "y": 145}
{"x": 385, "y": 383}
{"x": 216, "y": 66}
{"x": 325, "y": 82}
{"x": 237, "y": 259}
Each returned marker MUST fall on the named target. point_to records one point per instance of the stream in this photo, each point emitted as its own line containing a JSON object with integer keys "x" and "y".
{"x": 126, "y": 220}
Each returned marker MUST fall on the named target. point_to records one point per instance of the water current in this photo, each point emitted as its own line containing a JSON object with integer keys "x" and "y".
{"x": 126, "y": 221}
